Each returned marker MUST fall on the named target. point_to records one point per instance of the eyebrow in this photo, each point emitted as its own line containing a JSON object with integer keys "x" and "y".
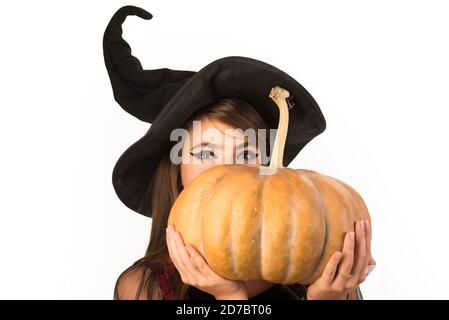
{"x": 208, "y": 144}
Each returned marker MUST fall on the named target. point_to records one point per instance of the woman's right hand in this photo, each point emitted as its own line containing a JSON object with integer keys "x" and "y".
{"x": 195, "y": 271}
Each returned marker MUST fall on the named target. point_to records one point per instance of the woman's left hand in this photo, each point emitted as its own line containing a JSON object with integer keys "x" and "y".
{"x": 345, "y": 270}
{"x": 195, "y": 271}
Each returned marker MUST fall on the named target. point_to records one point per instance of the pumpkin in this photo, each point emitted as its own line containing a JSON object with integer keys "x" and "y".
{"x": 269, "y": 222}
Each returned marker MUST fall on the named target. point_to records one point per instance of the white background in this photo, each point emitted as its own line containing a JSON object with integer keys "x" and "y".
{"x": 378, "y": 69}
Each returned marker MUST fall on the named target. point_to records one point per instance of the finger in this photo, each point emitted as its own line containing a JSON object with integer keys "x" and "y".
{"x": 200, "y": 262}
{"x": 360, "y": 258}
{"x": 169, "y": 241}
{"x": 186, "y": 260}
{"x": 181, "y": 256}
{"x": 369, "y": 233}
{"x": 370, "y": 263}
{"x": 184, "y": 254}
{"x": 368, "y": 236}
{"x": 174, "y": 254}
{"x": 331, "y": 267}
{"x": 345, "y": 265}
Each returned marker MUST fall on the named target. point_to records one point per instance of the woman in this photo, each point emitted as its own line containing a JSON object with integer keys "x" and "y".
{"x": 153, "y": 276}
{"x": 228, "y": 93}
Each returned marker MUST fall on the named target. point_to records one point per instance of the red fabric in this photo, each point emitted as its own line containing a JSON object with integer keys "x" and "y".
{"x": 165, "y": 271}
{"x": 167, "y": 291}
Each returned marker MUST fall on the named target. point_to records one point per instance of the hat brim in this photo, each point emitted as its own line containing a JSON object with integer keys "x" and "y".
{"x": 233, "y": 76}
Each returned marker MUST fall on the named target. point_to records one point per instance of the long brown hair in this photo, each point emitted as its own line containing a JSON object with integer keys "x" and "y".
{"x": 166, "y": 183}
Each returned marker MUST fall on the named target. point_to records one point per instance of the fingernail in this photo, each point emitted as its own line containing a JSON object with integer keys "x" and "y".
{"x": 351, "y": 236}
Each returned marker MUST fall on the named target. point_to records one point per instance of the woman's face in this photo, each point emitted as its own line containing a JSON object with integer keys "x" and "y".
{"x": 215, "y": 143}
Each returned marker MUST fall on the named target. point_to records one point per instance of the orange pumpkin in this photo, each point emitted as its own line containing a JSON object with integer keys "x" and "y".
{"x": 272, "y": 223}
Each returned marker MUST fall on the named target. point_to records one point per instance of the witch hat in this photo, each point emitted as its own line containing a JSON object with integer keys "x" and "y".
{"x": 167, "y": 98}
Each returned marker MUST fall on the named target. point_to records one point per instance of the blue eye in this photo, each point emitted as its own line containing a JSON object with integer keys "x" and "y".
{"x": 247, "y": 153}
{"x": 204, "y": 154}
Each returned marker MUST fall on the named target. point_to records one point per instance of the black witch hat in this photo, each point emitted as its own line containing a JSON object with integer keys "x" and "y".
{"x": 167, "y": 98}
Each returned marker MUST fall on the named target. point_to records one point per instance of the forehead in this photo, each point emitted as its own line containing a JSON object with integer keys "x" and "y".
{"x": 214, "y": 131}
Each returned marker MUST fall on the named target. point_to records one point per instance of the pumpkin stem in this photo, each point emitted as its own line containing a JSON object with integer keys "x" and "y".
{"x": 279, "y": 96}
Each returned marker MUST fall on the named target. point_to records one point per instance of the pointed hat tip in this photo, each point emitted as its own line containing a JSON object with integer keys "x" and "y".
{"x": 129, "y": 10}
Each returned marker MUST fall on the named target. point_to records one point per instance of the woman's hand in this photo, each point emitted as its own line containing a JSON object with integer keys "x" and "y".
{"x": 195, "y": 271}
{"x": 347, "y": 269}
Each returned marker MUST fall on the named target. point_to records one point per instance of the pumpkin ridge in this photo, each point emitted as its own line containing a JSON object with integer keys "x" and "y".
{"x": 217, "y": 182}
{"x": 245, "y": 224}
{"x": 292, "y": 230}
{"x": 324, "y": 212}
{"x": 262, "y": 222}
{"x": 258, "y": 205}
{"x": 355, "y": 198}
{"x": 231, "y": 242}
{"x": 235, "y": 268}
{"x": 349, "y": 197}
